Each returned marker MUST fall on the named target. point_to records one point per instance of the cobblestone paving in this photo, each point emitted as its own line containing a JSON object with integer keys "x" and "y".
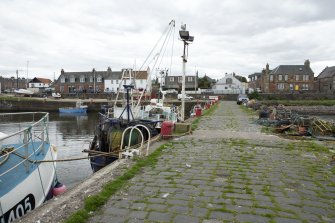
{"x": 228, "y": 171}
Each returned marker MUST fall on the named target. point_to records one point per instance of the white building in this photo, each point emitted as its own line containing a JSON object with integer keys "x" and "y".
{"x": 140, "y": 79}
{"x": 38, "y": 82}
{"x": 229, "y": 85}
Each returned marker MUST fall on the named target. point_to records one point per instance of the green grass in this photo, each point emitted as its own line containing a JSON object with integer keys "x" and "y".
{"x": 94, "y": 202}
{"x": 18, "y": 98}
{"x": 308, "y": 146}
{"x": 300, "y": 102}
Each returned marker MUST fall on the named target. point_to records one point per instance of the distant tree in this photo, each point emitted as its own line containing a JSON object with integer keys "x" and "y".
{"x": 241, "y": 78}
{"x": 204, "y": 82}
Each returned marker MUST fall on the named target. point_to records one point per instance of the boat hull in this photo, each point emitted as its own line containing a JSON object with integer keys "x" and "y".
{"x": 106, "y": 144}
{"x": 73, "y": 110}
{"x": 27, "y": 195}
{"x": 27, "y": 167}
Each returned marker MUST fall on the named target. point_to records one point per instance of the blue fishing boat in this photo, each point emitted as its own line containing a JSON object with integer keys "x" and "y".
{"x": 79, "y": 108}
{"x": 27, "y": 167}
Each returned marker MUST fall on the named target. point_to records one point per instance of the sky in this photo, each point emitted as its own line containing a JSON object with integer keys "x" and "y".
{"x": 43, "y": 37}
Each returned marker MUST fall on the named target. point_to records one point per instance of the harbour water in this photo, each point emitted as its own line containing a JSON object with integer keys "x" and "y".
{"x": 70, "y": 134}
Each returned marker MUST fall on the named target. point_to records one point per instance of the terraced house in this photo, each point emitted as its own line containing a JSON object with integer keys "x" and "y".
{"x": 326, "y": 80}
{"x": 284, "y": 79}
{"x": 100, "y": 81}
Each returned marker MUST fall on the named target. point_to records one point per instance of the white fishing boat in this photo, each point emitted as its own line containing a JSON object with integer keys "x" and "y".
{"x": 27, "y": 167}
{"x": 56, "y": 95}
{"x": 23, "y": 92}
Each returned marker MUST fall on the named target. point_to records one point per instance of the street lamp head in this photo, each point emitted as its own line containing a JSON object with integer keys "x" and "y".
{"x": 184, "y": 34}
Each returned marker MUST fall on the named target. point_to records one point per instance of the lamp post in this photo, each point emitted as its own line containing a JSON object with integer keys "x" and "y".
{"x": 94, "y": 80}
{"x": 186, "y": 38}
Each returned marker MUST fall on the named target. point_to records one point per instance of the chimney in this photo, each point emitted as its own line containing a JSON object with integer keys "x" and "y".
{"x": 267, "y": 68}
{"x": 307, "y": 63}
{"x": 62, "y": 71}
{"x": 109, "y": 69}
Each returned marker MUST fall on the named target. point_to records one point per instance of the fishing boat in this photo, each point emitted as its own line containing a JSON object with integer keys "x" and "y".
{"x": 56, "y": 95}
{"x": 122, "y": 130}
{"x": 27, "y": 167}
{"x": 23, "y": 92}
{"x": 114, "y": 135}
{"x": 79, "y": 108}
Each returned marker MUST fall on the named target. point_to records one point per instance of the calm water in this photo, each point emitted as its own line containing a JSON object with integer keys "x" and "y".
{"x": 70, "y": 134}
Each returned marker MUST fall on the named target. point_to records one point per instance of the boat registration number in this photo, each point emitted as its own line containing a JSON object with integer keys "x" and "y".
{"x": 20, "y": 209}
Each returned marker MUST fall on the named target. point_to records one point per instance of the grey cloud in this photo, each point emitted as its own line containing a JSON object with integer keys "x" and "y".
{"x": 230, "y": 35}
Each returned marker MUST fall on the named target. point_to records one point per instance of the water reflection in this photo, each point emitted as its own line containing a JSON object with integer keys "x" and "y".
{"x": 72, "y": 133}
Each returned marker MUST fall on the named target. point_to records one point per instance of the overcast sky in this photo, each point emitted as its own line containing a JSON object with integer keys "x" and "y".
{"x": 230, "y": 35}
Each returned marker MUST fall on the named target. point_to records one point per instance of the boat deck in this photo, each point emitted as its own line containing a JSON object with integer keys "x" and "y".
{"x": 14, "y": 170}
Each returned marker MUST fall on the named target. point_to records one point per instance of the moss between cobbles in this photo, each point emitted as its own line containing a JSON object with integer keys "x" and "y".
{"x": 207, "y": 112}
{"x": 94, "y": 202}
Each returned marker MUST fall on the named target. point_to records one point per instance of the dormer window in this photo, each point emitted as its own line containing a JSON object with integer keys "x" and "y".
{"x": 72, "y": 79}
{"x": 91, "y": 79}
{"x": 99, "y": 78}
{"x": 82, "y": 79}
{"x": 62, "y": 79}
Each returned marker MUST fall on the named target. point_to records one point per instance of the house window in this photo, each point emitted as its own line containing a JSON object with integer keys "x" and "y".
{"x": 280, "y": 77}
{"x": 305, "y": 87}
{"x": 117, "y": 81}
{"x": 255, "y": 77}
{"x": 99, "y": 79}
{"x": 171, "y": 79}
{"x": 62, "y": 80}
{"x": 91, "y": 79}
{"x": 141, "y": 81}
{"x": 271, "y": 77}
{"x": 291, "y": 87}
{"x": 82, "y": 79}
{"x": 286, "y": 77}
{"x": 72, "y": 79}
{"x": 189, "y": 79}
{"x": 111, "y": 81}
{"x": 306, "y": 77}
{"x": 280, "y": 86}
{"x": 180, "y": 79}
{"x": 297, "y": 77}
{"x": 229, "y": 81}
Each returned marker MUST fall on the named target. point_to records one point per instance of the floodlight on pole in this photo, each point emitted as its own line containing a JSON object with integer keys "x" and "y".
{"x": 186, "y": 38}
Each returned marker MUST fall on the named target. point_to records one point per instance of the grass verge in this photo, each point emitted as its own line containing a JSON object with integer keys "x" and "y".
{"x": 94, "y": 202}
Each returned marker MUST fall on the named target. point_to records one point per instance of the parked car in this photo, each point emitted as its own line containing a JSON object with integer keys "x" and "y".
{"x": 242, "y": 98}
{"x": 187, "y": 97}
